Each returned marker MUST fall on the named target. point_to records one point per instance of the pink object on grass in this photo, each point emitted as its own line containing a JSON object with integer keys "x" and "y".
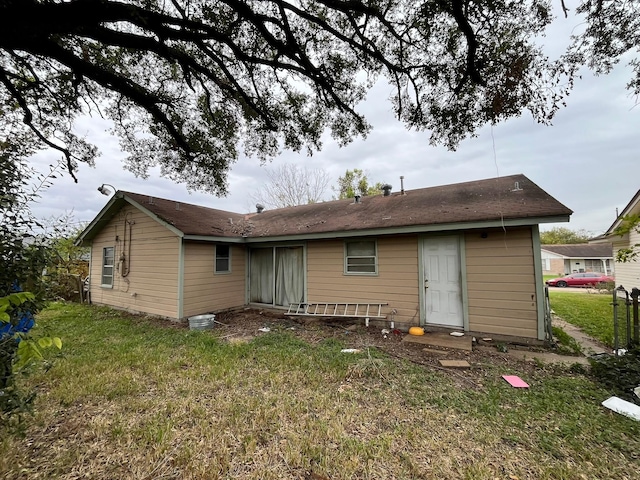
{"x": 515, "y": 381}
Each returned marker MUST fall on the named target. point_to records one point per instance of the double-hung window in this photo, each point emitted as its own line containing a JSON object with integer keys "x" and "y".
{"x": 361, "y": 257}
{"x": 223, "y": 259}
{"x": 107, "y": 267}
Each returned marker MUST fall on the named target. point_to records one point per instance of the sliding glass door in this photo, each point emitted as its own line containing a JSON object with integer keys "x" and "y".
{"x": 276, "y": 275}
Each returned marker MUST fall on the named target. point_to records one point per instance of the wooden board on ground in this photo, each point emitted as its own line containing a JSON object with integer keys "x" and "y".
{"x": 439, "y": 339}
{"x": 455, "y": 363}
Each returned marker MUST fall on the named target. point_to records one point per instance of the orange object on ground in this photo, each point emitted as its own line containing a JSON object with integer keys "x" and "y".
{"x": 416, "y": 331}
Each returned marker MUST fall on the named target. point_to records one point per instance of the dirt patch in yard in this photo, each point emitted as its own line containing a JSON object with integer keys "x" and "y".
{"x": 243, "y": 326}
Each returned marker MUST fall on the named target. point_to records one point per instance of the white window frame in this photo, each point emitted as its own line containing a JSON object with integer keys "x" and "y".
{"x": 106, "y": 265}
{"x": 347, "y": 257}
{"x": 215, "y": 260}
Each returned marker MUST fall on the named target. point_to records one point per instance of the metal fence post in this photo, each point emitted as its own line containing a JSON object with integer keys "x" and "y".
{"x": 615, "y": 319}
{"x": 627, "y": 304}
{"x": 635, "y": 293}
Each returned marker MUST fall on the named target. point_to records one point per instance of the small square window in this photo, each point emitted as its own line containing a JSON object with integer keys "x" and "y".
{"x": 107, "y": 266}
{"x": 223, "y": 259}
{"x": 361, "y": 258}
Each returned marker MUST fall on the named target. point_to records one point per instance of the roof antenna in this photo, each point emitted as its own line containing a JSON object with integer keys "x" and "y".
{"x": 401, "y": 184}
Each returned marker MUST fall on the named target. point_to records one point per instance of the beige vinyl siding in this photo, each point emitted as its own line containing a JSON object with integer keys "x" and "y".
{"x": 206, "y": 291}
{"x": 501, "y": 289}
{"x": 152, "y": 283}
{"x": 396, "y": 282}
{"x": 627, "y": 274}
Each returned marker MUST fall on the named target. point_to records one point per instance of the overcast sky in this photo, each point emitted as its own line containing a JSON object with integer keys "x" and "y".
{"x": 588, "y": 159}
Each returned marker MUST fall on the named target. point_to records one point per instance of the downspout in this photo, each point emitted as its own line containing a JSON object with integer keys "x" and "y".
{"x": 538, "y": 279}
{"x": 180, "y": 312}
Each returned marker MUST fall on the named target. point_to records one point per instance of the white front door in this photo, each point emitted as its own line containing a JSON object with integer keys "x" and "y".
{"x": 442, "y": 282}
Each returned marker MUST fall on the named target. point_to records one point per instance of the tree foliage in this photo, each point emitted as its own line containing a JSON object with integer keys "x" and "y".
{"x": 630, "y": 223}
{"x": 563, "y": 236}
{"x": 289, "y": 185}
{"x": 24, "y": 254}
{"x": 191, "y": 83}
{"x": 355, "y": 182}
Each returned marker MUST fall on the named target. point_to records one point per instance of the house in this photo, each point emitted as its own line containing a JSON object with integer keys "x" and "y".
{"x": 577, "y": 258}
{"x": 463, "y": 256}
{"x": 627, "y": 273}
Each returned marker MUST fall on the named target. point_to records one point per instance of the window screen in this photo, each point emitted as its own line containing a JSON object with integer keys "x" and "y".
{"x": 361, "y": 257}
{"x": 223, "y": 259}
{"x": 107, "y": 266}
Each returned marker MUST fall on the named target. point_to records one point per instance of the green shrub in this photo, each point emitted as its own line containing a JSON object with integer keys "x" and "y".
{"x": 620, "y": 374}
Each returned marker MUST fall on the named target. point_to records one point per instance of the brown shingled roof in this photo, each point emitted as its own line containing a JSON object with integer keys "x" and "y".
{"x": 581, "y": 250}
{"x": 192, "y": 219}
{"x": 477, "y": 201}
{"x": 496, "y": 199}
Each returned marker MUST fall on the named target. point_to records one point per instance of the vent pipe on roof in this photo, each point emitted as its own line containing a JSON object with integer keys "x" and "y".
{"x": 386, "y": 188}
{"x": 259, "y": 207}
{"x": 401, "y": 184}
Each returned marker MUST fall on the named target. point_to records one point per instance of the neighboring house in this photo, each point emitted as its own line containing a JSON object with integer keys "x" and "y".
{"x": 463, "y": 256}
{"x": 577, "y": 258}
{"x": 628, "y": 273}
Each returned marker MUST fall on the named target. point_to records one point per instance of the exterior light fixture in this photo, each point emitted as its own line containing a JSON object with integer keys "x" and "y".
{"x": 104, "y": 190}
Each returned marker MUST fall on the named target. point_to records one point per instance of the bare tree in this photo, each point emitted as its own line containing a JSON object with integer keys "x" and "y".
{"x": 290, "y": 185}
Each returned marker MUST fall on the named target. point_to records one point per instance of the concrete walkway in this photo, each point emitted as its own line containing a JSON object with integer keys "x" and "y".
{"x": 590, "y": 346}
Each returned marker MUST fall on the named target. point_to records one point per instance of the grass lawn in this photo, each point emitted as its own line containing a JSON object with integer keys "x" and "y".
{"x": 593, "y": 313}
{"x": 132, "y": 399}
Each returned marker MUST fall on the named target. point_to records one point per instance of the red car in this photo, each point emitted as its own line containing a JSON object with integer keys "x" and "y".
{"x": 580, "y": 280}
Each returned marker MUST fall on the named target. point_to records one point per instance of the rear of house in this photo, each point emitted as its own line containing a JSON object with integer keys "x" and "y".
{"x": 478, "y": 280}
{"x": 135, "y": 265}
{"x": 464, "y": 256}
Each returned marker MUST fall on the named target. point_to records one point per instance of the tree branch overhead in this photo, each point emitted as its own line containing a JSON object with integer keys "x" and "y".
{"x": 191, "y": 83}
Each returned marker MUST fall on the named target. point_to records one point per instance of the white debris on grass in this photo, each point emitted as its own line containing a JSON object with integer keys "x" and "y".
{"x": 623, "y": 407}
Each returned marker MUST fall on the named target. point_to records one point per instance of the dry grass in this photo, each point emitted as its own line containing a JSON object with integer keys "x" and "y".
{"x": 133, "y": 399}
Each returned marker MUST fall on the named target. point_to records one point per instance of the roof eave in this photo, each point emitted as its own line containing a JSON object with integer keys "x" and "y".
{"x": 625, "y": 211}
{"x": 210, "y": 238}
{"x": 113, "y": 205}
